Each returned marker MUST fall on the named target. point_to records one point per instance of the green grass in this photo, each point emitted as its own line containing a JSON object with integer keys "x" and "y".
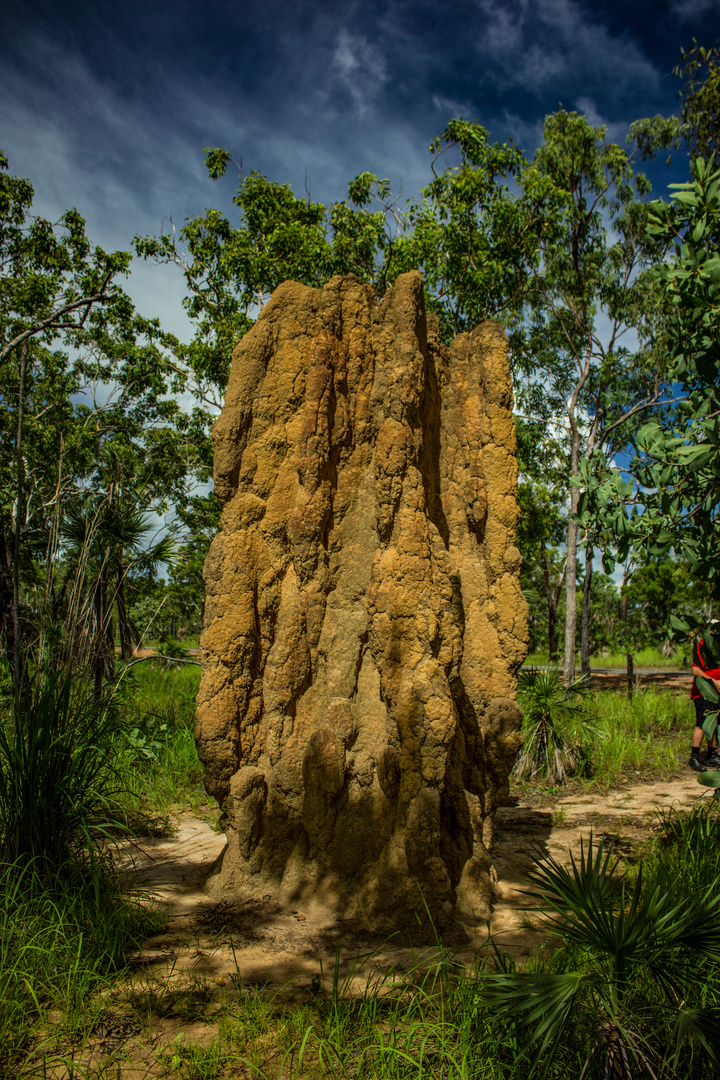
{"x": 625, "y": 741}
{"x": 683, "y": 858}
{"x": 160, "y": 766}
{"x": 62, "y": 954}
{"x": 65, "y": 926}
{"x": 421, "y": 1024}
{"x": 62, "y": 942}
{"x": 649, "y": 735}
{"x": 651, "y": 658}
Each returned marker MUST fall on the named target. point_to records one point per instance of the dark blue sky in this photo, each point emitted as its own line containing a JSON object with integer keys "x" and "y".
{"x": 108, "y": 106}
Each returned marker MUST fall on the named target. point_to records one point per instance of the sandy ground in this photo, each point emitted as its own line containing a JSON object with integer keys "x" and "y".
{"x": 259, "y": 943}
{"x": 213, "y": 951}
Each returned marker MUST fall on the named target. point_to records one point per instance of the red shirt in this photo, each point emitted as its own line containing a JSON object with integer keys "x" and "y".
{"x": 712, "y": 673}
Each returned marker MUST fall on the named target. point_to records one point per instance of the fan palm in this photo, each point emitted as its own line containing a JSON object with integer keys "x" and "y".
{"x": 112, "y": 534}
{"x": 552, "y": 713}
{"x": 637, "y": 975}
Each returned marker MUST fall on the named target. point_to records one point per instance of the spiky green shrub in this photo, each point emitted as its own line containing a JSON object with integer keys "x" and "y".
{"x": 57, "y": 778}
{"x": 683, "y": 857}
{"x": 555, "y": 727}
{"x": 632, "y": 989}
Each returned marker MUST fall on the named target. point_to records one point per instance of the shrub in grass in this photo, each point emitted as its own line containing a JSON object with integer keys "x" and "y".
{"x": 634, "y": 988}
{"x": 57, "y": 778}
{"x": 555, "y": 727}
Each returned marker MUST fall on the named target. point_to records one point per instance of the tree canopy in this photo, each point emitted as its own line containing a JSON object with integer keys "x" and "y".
{"x": 609, "y": 300}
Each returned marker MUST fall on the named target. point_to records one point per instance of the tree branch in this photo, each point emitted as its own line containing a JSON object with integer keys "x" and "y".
{"x": 55, "y": 321}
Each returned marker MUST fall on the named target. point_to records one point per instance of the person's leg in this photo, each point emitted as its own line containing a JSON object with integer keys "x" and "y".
{"x": 696, "y": 762}
{"x": 712, "y": 761}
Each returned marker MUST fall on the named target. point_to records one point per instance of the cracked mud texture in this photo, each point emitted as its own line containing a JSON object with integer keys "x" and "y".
{"x": 364, "y": 621}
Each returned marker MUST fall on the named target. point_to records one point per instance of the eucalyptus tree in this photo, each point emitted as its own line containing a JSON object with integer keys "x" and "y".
{"x": 557, "y": 250}
{"x": 668, "y": 497}
{"x": 700, "y": 97}
{"x": 592, "y": 309}
{"x": 80, "y": 370}
{"x": 51, "y": 283}
{"x": 473, "y": 230}
{"x": 541, "y": 531}
{"x": 230, "y": 270}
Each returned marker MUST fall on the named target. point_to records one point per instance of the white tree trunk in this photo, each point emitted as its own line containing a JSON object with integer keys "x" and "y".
{"x": 570, "y": 591}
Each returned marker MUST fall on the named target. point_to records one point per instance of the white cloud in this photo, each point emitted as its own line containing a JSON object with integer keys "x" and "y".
{"x": 360, "y": 68}
{"x": 527, "y": 134}
{"x": 452, "y": 109}
{"x": 693, "y": 9}
{"x": 129, "y": 158}
{"x": 503, "y": 33}
{"x": 535, "y": 45}
{"x": 616, "y": 130}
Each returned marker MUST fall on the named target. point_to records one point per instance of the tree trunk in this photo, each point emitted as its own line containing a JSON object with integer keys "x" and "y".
{"x": 553, "y": 653}
{"x": 630, "y": 676}
{"x": 552, "y": 595}
{"x": 7, "y": 593}
{"x": 103, "y": 659}
{"x": 570, "y": 587}
{"x": 123, "y": 623}
{"x": 624, "y": 609}
{"x": 585, "y": 618}
{"x": 97, "y": 645}
{"x": 572, "y": 532}
{"x": 19, "y": 515}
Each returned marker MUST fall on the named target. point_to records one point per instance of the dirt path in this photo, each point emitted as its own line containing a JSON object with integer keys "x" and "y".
{"x": 259, "y": 943}
{"x": 645, "y": 679}
{"x": 211, "y": 951}
{"x": 624, "y": 817}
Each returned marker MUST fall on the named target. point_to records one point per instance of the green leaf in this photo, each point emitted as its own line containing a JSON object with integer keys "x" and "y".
{"x": 708, "y": 689}
{"x": 709, "y": 779}
{"x": 216, "y": 161}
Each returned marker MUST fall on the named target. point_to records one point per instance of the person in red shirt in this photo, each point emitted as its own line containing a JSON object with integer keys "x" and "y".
{"x": 702, "y": 708}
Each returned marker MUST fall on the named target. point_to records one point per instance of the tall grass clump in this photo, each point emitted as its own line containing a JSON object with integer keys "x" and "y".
{"x": 64, "y": 924}
{"x": 57, "y": 778}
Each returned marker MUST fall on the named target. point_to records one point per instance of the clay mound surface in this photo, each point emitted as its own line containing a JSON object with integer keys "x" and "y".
{"x": 364, "y": 621}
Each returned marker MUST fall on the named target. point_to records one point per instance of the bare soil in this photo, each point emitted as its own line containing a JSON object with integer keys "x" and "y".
{"x": 212, "y": 951}
{"x": 262, "y": 944}
{"x": 646, "y": 679}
